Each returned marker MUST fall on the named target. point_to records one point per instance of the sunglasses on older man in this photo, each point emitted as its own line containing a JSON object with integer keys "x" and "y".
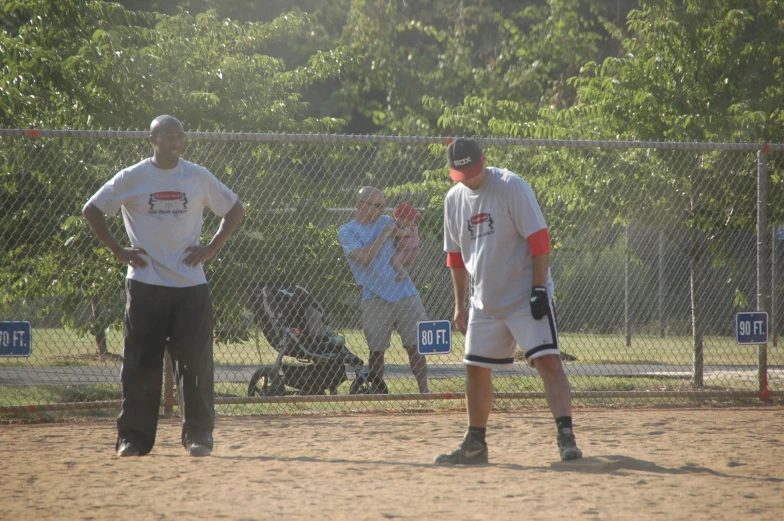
{"x": 377, "y": 205}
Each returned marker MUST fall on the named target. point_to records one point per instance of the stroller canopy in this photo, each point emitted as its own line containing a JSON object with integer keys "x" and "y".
{"x": 280, "y": 307}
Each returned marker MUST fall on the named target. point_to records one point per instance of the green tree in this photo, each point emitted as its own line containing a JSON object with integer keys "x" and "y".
{"x": 692, "y": 71}
{"x": 87, "y": 64}
{"x": 468, "y": 68}
{"x": 91, "y": 64}
{"x": 539, "y": 47}
{"x": 695, "y": 70}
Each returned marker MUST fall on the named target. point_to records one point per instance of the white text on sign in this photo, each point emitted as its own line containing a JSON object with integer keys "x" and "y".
{"x": 430, "y": 337}
{"x": 12, "y": 339}
{"x": 747, "y": 327}
{"x": 434, "y": 337}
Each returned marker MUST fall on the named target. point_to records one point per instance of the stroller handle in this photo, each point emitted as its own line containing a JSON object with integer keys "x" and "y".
{"x": 347, "y": 356}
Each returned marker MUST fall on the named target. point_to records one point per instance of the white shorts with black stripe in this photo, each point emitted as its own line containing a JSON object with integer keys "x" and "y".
{"x": 491, "y": 342}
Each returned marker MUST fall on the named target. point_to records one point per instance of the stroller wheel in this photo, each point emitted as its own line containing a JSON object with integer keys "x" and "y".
{"x": 361, "y": 385}
{"x": 264, "y": 383}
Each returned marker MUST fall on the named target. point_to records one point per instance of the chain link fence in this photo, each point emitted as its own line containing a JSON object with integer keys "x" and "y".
{"x": 655, "y": 250}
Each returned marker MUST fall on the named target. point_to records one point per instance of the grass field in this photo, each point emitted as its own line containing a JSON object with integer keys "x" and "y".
{"x": 59, "y": 347}
{"x": 25, "y": 395}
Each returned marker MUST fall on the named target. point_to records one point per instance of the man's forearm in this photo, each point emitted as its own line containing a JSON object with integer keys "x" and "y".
{"x": 367, "y": 253}
{"x": 228, "y": 224}
{"x": 540, "y": 268}
{"x": 460, "y": 285}
{"x": 97, "y": 222}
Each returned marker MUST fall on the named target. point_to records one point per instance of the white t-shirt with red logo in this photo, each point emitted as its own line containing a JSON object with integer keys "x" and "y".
{"x": 490, "y": 228}
{"x": 162, "y": 211}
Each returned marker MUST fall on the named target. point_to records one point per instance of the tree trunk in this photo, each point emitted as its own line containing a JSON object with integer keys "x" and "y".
{"x": 100, "y": 335}
{"x": 627, "y": 320}
{"x": 697, "y": 319}
{"x": 697, "y": 252}
{"x": 662, "y": 287}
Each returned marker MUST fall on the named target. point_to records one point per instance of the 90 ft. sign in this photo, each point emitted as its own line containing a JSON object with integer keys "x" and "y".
{"x": 751, "y": 328}
{"x": 15, "y": 338}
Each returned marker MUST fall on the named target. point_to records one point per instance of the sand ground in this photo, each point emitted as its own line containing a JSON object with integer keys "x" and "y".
{"x": 640, "y": 464}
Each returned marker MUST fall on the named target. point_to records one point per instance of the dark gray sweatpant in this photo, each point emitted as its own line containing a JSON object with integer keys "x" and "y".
{"x": 153, "y": 316}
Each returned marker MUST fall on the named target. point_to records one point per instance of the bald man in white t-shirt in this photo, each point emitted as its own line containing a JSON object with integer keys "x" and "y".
{"x": 168, "y": 304}
{"x": 494, "y": 233}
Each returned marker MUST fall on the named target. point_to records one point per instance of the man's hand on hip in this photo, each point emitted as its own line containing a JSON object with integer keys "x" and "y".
{"x": 196, "y": 255}
{"x": 131, "y": 256}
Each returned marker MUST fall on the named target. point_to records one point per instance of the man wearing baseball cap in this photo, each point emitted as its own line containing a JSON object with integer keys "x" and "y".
{"x": 494, "y": 231}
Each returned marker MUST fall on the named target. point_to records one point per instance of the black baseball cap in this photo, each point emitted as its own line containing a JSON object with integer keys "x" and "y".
{"x": 465, "y": 158}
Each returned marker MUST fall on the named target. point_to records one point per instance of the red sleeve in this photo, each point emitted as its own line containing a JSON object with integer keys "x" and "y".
{"x": 539, "y": 242}
{"x": 454, "y": 259}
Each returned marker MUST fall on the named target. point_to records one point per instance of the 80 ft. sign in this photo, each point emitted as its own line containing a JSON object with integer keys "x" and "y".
{"x": 434, "y": 337}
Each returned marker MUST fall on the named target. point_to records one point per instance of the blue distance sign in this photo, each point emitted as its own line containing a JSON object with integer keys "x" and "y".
{"x": 16, "y": 338}
{"x": 434, "y": 337}
{"x": 751, "y": 327}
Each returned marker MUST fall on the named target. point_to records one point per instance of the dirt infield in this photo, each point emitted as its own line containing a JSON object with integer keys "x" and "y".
{"x": 723, "y": 464}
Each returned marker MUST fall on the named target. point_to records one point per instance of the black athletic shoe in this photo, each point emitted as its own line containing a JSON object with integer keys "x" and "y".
{"x": 127, "y": 449}
{"x": 470, "y": 452}
{"x": 198, "y": 450}
{"x": 568, "y": 447}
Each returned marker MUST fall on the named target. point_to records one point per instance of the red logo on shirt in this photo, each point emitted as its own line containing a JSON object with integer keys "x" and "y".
{"x": 168, "y": 196}
{"x": 162, "y": 203}
{"x": 480, "y": 218}
{"x": 479, "y": 221}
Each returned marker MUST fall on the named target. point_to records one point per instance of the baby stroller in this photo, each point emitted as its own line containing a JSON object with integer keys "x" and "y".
{"x": 294, "y": 323}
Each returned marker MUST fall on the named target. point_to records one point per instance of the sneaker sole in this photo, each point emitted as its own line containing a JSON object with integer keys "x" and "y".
{"x": 450, "y": 464}
{"x": 127, "y": 453}
{"x": 571, "y": 454}
{"x": 446, "y": 462}
{"x": 199, "y": 453}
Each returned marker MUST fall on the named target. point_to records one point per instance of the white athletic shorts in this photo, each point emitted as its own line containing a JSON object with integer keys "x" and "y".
{"x": 491, "y": 342}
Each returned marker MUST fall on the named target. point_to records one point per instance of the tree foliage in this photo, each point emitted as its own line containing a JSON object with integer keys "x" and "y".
{"x": 690, "y": 70}
{"x": 87, "y": 64}
{"x": 90, "y": 64}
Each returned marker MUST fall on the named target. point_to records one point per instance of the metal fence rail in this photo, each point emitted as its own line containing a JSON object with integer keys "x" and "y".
{"x": 656, "y": 247}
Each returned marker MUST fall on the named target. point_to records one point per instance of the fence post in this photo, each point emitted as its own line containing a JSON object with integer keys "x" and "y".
{"x": 763, "y": 264}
